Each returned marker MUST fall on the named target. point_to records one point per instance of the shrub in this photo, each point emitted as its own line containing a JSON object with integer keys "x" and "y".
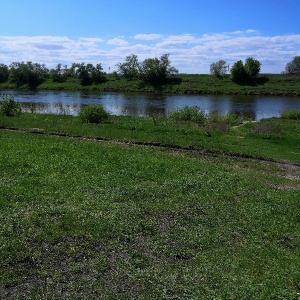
{"x": 8, "y": 106}
{"x": 189, "y": 113}
{"x": 214, "y": 117}
{"x": 93, "y": 113}
{"x": 233, "y": 119}
{"x": 291, "y": 114}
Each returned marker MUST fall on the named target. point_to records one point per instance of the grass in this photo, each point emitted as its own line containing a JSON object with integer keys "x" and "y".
{"x": 270, "y": 84}
{"x": 276, "y": 138}
{"x": 83, "y": 219}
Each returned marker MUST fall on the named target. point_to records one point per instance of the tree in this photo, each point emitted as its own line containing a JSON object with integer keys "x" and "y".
{"x": 129, "y": 69}
{"x": 155, "y": 71}
{"x": 97, "y": 74}
{"x": 241, "y": 73}
{"x": 57, "y": 73}
{"x": 238, "y": 73}
{"x": 252, "y": 67}
{"x": 293, "y": 67}
{"x": 28, "y": 73}
{"x": 88, "y": 73}
{"x": 4, "y": 73}
{"x": 218, "y": 68}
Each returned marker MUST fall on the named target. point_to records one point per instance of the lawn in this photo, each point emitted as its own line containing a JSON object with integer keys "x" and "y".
{"x": 118, "y": 217}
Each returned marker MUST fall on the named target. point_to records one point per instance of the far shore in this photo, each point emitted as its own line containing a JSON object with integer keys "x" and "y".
{"x": 190, "y": 84}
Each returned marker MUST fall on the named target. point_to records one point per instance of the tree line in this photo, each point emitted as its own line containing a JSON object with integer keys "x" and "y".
{"x": 248, "y": 71}
{"x": 153, "y": 71}
{"x": 33, "y": 74}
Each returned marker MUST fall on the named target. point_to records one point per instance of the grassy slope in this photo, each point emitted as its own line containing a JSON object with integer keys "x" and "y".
{"x": 276, "y": 139}
{"x": 81, "y": 218}
{"x": 199, "y": 84}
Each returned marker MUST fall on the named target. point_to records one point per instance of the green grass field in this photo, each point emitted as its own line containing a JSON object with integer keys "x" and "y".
{"x": 137, "y": 209}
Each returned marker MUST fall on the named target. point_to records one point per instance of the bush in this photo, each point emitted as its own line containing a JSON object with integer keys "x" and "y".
{"x": 233, "y": 119}
{"x": 93, "y": 113}
{"x": 8, "y": 106}
{"x": 189, "y": 113}
{"x": 291, "y": 114}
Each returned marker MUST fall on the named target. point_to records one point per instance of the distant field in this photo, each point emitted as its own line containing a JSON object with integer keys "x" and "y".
{"x": 269, "y": 84}
{"x": 137, "y": 209}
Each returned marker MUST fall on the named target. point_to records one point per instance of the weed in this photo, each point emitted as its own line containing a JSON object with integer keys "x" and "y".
{"x": 8, "y": 106}
{"x": 189, "y": 113}
{"x": 291, "y": 115}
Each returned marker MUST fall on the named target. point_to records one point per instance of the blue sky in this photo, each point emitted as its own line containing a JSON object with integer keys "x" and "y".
{"x": 195, "y": 33}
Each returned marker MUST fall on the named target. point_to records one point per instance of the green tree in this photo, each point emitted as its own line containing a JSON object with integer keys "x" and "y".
{"x": 155, "y": 71}
{"x": 241, "y": 73}
{"x": 57, "y": 73}
{"x": 28, "y": 73}
{"x": 238, "y": 72}
{"x": 252, "y": 67}
{"x": 97, "y": 74}
{"x": 218, "y": 68}
{"x": 129, "y": 69}
{"x": 70, "y": 72}
{"x": 88, "y": 73}
{"x": 293, "y": 67}
{"x": 4, "y": 73}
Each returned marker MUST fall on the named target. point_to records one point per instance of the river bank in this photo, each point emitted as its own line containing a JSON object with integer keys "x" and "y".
{"x": 193, "y": 84}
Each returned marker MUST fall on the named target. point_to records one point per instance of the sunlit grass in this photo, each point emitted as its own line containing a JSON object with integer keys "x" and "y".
{"x": 275, "y": 138}
{"x": 83, "y": 219}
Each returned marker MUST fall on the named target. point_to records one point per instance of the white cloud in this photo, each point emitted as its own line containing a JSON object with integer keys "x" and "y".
{"x": 117, "y": 42}
{"x": 190, "y": 53}
{"x": 178, "y": 40}
{"x": 90, "y": 42}
{"x": 148, "y": 37}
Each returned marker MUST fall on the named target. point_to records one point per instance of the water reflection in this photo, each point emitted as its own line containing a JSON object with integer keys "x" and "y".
{"x": 70, "y": 103}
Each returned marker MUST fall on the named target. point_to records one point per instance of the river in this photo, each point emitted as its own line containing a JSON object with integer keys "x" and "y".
{"x": 144, "y": 105}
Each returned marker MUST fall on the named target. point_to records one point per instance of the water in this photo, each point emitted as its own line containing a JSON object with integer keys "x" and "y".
{"x": 144, "y": 105}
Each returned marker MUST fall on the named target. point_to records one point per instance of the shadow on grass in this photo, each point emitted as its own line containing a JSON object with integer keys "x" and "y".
{"x": 158, "y": 85}
{"x": 253, "y": 81}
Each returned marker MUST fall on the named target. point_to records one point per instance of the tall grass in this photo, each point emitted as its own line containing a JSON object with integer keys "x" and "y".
{"x": 291, "y": 115}
{"x": 189, "y": 113}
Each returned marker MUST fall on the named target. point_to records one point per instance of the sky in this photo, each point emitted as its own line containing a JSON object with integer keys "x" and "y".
{"x": 196, "y": 33}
